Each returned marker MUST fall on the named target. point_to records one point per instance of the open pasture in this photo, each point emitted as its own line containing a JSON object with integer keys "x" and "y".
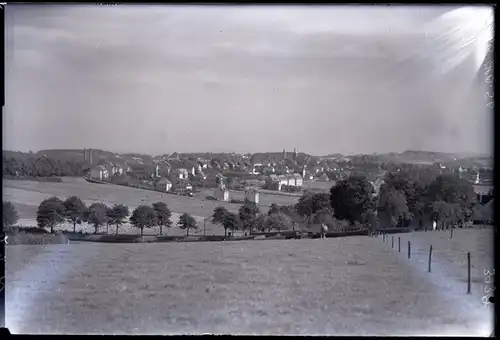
{"x": 318, "y": 186}
{"x": 344, "y": 286}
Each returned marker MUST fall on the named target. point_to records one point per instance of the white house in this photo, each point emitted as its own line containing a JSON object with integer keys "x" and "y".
{"x": 282, "y": 181}
{"x": 252, "y": 195}
{"x": 99, "y": 172}
{"x": 164, "y": 184}
{"x": 298, "y": 179}
{"x": 290, "y": 179}
{"x": 182, "y": 173}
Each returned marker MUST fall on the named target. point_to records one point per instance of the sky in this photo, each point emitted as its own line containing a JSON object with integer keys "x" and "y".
{"x": 322, "y": 79}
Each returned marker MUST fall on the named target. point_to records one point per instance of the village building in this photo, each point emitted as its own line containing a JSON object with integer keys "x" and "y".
{"x": 252, "y": 195}
{"x": 183, "y": 186}
{"x": 144, "y": 171}
{"x": 164, "y": 185}
{"x": 282, "y": 181}
{"x": 298, "y": 179}
{"x": 221, "y": 193}
{"x": 290, "y": 180}
{"x": 99, "y": 172}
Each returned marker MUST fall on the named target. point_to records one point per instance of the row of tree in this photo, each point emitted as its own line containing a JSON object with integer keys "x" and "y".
{"x": 403, "y": 198}
{"x": 43, "y": 167}
{"x": 52, "y": 212}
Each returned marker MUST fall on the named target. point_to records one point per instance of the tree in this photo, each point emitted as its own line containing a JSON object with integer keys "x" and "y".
{"x": 50, "y": 213}
{"x": 143, "y": 217}
{"x": 10, "y": 216}
{"x": 278, "y": 221}
{"x": 117, "y": 216}
{"x": 96, "y": 215}
{"x": 163, "y": 215}
{"x": 187, "y": 222}
{"x": 109, "y": 218}
{"x": 351, "y": 198}
{"x": 231, "y": 222}
{"x": 392, "y": 206}
{"x": 218, "y": 217}
{"x": 450, "y": 188}
{"x": 247, "y": 213}
{"x": 273, "y": 209}
{"x": 74, "y": 210}
{"x": 370, "y": 220}
{"x": 259, "y": 222}
{"x": 309, "y": 204}
{"x": 324, "y": 216}
{"x": 446, "y": 213}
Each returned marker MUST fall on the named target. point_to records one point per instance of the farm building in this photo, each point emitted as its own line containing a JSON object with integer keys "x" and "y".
{"x": 164, "y": 184}
{"x": 252, "y": 195}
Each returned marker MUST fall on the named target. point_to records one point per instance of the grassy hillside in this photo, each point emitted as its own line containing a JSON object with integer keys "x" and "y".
{"x": 348, "y": 286}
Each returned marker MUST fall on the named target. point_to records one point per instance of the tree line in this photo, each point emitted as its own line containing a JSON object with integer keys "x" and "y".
{"x": 42, "y": 167}
{"x": 404, "y": 198}
{"x": 412, "y": 197}
{"x": 53, "y": 211}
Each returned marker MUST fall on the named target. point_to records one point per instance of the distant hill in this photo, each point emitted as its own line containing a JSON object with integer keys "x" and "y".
{"x": 408, "y": 156}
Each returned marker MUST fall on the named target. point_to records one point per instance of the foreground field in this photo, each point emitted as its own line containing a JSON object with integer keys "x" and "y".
{"x": 345, "y": 286}
{"x": 27, "y": 195}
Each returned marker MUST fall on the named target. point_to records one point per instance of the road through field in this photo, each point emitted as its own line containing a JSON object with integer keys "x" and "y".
{"x": 343, "y": 286}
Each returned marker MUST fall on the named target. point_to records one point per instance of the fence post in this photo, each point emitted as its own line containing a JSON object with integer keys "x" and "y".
{"x": 451, "y": 233}
{"x": 409, "y": 249}
{"x": 399, "y": 244}
{"x": 430, "y": 257}
{"x": 468, "y": 273}
{"x": 392, "y": 242}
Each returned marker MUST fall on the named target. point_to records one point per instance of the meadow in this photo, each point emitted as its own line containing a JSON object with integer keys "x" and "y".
{"x": 340, "y": 286}
{"x": 27, "y": 195}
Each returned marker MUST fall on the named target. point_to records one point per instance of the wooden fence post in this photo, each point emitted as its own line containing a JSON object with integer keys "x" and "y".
{"x": 468, "y": 273}
{"x": 451, "y": 233}
{"x": 409, "y": 249}
{"x": 399, "y": 244}
{"x": 392, "y": 242}
{"x": 430, "y": 257}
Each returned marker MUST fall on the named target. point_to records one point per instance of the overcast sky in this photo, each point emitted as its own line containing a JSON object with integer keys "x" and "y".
{"x": 159, "y": 79}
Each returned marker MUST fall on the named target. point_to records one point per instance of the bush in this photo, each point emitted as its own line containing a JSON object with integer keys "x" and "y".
{"x": 290, "y": 188}
{"x": 236, "y": 201}
{"x": 31, "y": 230}
{"x": 22, "y": 237}
{"x": 118, "y": 238}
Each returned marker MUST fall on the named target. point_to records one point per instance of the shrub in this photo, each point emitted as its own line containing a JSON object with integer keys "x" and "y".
{"x": 22, "y": 237}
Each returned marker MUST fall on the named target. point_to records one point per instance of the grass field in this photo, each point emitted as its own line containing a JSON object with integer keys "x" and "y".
{"x": 27, "y": 195}
{"x": 343, "y": 286}
{"x": 318, "y": 186}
